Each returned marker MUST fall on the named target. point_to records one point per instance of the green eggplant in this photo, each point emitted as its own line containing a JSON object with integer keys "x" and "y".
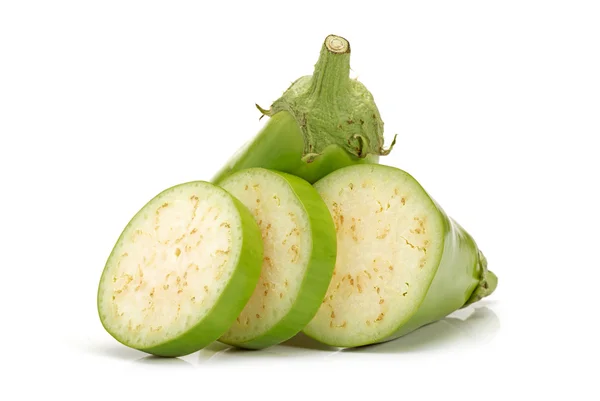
{"x": 321, "y": 123}
{"x": 401, "y": 263}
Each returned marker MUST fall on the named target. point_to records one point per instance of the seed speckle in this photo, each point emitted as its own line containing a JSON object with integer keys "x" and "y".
{"x": 384, "y": 233}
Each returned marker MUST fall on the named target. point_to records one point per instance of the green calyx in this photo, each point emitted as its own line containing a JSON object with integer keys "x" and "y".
{"x": 487, "y": 283}
{"x": 333, "y": 109}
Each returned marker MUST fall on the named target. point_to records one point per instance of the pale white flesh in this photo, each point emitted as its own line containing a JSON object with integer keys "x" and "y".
{"x": 170, "y": 265}
{"x": 390, "y": 238}
{"x": 287, "y": 242}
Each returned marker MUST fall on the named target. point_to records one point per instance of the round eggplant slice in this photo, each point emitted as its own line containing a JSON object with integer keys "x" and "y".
{"x": 299, "y": 256}
{"x": 181, "y": 271}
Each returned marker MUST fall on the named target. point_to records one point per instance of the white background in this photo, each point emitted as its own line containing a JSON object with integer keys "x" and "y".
{"x": 497, "y": 107}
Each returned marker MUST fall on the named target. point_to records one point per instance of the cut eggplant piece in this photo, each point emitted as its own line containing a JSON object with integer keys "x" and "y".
{"x": 181, "y": 271}
{"x": 401, "y": 261}
{"x": 299, "y": 256}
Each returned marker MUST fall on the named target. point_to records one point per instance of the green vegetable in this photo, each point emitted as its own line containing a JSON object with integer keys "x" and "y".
{"x": 401, "y": 261}
{"x": 299, "y": 256}
{"x": 181, "y": 271}
{"x": 321, "y": 123}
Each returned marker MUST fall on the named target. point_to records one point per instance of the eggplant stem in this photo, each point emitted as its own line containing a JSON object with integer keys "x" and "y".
{"x": 362, "y": 143}
{"x": 331, "y": 108}
{"x": 385, "y": 152}
{"x": 262, "y": 111}
{"x": 337, "y": 44}
{"x": 310, "y": 157}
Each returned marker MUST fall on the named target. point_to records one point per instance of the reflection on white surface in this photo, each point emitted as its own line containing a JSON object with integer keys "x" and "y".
{"x": 218, "y": 352}
{"x": 472, "y": 325}
{"x": 171, "y": 362}
{"x": 211, "y": 350}
{"x": 469, "y": 326}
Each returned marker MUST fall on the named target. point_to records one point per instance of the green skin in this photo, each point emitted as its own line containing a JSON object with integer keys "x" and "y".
{"x": 318, "y": 272}
{"x": 234, "y": 297}
{"x": 321, "y": 123}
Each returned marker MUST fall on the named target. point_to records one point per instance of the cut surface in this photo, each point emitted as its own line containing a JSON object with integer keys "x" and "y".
{"x": 170, "y": 265}
{"x": 287, "y": 242}
{"x": 390, "y": 239}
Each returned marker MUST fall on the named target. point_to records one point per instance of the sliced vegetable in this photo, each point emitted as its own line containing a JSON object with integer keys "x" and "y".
{"x": 299, "y": 256}
{"x": 401, "y": 261}
{"x": 321, "y": 123}
{"x": 181, "y": 271}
